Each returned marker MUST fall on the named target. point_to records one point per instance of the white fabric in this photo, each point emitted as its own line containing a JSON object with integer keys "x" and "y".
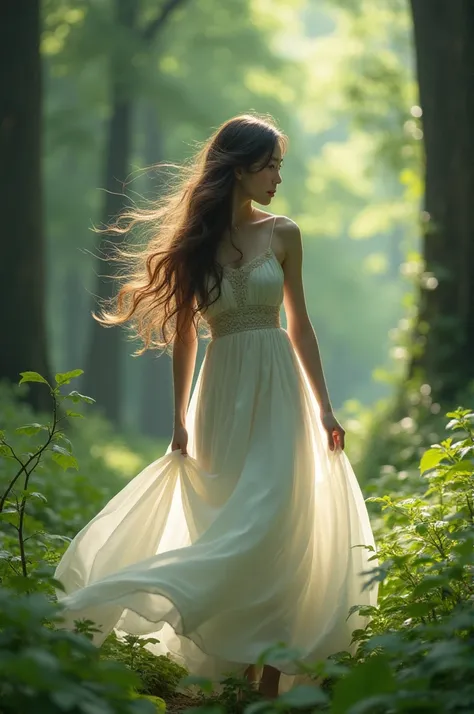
{"x": 249, "y": 541}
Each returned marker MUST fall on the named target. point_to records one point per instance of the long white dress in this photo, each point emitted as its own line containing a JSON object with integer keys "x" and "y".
{"x": 251, "y": 540}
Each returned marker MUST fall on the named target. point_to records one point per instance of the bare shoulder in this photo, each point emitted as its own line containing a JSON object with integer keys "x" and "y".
{"x": 287, "y": 239}
{"x": 287, "y": 227}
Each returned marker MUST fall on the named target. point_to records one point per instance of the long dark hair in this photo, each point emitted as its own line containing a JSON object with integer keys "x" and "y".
{"x": 172, "y": 271}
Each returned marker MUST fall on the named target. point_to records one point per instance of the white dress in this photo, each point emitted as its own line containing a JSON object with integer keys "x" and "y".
{"x": 250, "y": 540}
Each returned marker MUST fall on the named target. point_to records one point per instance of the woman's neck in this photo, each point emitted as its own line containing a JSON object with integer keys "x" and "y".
{"x": 242, "y": 212}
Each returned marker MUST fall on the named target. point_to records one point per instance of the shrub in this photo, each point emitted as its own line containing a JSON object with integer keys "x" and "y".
{"x": 43, "y": 668}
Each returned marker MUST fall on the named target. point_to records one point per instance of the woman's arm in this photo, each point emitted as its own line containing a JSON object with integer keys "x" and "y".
{"x": 300, "y": 329}
{"x": 184, "y": 361}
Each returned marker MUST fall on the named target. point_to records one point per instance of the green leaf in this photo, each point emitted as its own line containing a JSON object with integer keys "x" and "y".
{"x": 363, "y": 610}
{"x": 421, "y": 528}
{"x": 5, "y": 451}
{"x": 74, "y": 415}
{"x": 62, "y": 437}
{"x": 303, "y": 696}
{"x": 31, "y": 429}
{"x": 38, "y": 495}
{"x": 376, "y": 703}
{"x": 66, "y": 700}
{"x": 431, "y": 459}
{"x": 60, "y": 450}
{"x": 159, "y": 703}
{"x": 392, "y": 643}
{"x": 465, "y": 466}
{"x": 77, "y": 397}
{"x": 19, "y": 583}
{"x": 429, "y": 583}
{"x": 65, "y": 377}
{"x": 372, "y": 677}
{"x": 66, "y": 462}
{"x": 257, "y": 707}
{"x": 419, "y": 609}
{"x": 10, "y": 516}
{"x": 32, "y": 377}
{"x": 6, "y": 555}
{"x": 63, "y": 458}
{"x": 148, "y": 641}
{"x": 96, "y": 708}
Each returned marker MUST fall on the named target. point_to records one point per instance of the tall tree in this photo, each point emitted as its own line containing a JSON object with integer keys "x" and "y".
{"x": 103, "y": 364}
{"x": 444, "y": 41}
{"x": 155, "y": 393}
{"x": 22, "y": 274}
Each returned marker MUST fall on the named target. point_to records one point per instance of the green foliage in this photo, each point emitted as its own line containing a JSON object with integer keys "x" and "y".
{"x": 158, "y": 703}
{"x": 47, "y": 443}
{"x": 426, "y": 540}
{"x": 417, "y": 653}
{"x": 159, "y": 676}
{"x": 45, "y": 670}
{"x": 338, "y": 82}
{"x": 70, "y": 498}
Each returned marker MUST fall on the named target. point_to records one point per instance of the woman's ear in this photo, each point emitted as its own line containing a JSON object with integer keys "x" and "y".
{"x": 238, "y": 173}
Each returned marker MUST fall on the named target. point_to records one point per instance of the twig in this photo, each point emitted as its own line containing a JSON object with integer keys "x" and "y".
{"x": 24, "y": 497}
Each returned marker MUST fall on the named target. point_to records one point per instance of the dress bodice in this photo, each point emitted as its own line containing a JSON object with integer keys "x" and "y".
{"x": 251, "y": 297}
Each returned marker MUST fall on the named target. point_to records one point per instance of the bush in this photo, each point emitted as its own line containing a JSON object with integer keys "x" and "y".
{"x": 43, "y": 668}
{"x": 416, "y": 655}
{"x": 159, "y": 676}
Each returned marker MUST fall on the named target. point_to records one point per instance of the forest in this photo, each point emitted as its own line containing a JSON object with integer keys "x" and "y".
{"x": 377, "y": 100}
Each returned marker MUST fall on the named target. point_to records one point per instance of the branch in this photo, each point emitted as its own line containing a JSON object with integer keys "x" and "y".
{"x": 155, "y": 25}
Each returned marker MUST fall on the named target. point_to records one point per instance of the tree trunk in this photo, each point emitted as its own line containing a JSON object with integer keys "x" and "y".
{"x": 22, "y": 269}
{"x": 155, "y": 394}
{"x": 444, "y": 39}
{"x": 73, "y": 310}
{"x": 103, "y": 364}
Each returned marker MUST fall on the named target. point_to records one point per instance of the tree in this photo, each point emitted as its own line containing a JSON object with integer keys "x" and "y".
{"x": 155, "y": 406}
{"x": 444, "y": 41}
{"x": 22, "y": 274}
{"x": 103, "y": 363}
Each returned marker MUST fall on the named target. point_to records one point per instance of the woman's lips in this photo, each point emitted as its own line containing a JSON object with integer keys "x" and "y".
{"x": 271, "y": 193}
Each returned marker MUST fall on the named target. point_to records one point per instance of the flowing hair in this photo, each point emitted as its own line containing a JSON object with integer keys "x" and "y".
{"x": 174, "y": 272}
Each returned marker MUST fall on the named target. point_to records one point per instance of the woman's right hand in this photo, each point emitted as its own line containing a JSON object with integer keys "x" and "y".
{"x": 180, "y": 440}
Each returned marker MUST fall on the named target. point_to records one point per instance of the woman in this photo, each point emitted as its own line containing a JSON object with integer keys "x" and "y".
{"x": 242, "y": 535}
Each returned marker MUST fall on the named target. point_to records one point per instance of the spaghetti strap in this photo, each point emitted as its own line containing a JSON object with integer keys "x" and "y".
{"x": 271, "y": 234}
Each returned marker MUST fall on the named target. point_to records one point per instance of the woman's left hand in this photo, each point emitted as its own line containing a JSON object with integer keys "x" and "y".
{"x": 335, "y": 432}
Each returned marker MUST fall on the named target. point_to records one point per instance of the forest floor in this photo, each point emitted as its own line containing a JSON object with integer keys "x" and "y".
{"x": 180, "y": 702}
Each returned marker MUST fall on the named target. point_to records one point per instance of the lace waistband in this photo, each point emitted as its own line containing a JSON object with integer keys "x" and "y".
{"x": 248, "y": 317}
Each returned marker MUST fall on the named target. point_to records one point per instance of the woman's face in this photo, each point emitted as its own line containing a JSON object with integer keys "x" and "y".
{"x": 260, "y": 186}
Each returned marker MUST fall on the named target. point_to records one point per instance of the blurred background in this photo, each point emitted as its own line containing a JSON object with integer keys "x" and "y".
{"x": 96, "y": 92}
